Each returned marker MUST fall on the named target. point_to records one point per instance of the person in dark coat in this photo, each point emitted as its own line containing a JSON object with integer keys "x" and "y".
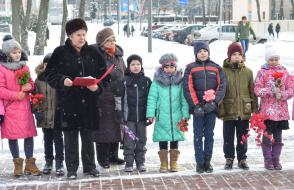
{"x": 131, "y": 101}
{"x": 201, "y": 76}
{"x": 237, "y": 106}
{"x": 45, "y": 120}
{"x": 108, "y": 136}
{"x": 77, "y": 110}
{"x": 278, "y": 29}
{"x": 270, "y": 29}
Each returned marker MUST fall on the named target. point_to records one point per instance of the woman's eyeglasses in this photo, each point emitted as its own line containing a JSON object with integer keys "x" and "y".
{"x": 110, "y": 40}
{"x": 169, "y": 66}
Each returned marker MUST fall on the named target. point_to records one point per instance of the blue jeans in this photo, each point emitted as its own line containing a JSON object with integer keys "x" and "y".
{"x": 245, "y": 44}
{"x": 203, "y": 127}
{"x": 28, "y": 147}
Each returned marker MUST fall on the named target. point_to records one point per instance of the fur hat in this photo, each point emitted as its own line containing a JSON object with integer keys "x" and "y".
{"x": 166, "y": 58}
{"x": 134, "y": 57}
{"x": 47, "y": 58}
{"x": 270, "y": 52}
{"x": 200, "y": 45}
{"x": 74, "y": 25}
{"x": 9, "y": 43}
{"x": 234, "y": 47}
{"x": 104, "y": 35}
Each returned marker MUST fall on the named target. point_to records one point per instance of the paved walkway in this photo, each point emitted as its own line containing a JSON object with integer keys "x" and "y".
{"x": 116, "y": 179}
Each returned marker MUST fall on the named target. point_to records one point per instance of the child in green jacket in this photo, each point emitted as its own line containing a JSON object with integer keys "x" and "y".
{"x": 166, "y": 104}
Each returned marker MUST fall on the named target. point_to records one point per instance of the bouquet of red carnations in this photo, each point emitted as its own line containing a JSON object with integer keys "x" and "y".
{"x": 22, "y": 76}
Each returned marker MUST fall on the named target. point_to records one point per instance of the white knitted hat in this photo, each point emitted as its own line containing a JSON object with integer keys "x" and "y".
{"x": 270, "y": 52}
{"x": 9, "y": 43}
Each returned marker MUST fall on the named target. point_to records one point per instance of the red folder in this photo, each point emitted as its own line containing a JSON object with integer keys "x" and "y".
{"x": 87, "y": 81}
{"x": 84, "y": 81}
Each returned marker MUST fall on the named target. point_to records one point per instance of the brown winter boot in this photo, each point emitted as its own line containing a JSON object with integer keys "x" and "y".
{"x": 163, "y": 161}
{"x": 18, "y": 167}
{"x": 174, "y": 155}
{"x": 31, "y": 168}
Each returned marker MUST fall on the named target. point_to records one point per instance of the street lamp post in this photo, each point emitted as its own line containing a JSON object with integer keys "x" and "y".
{"x": 149, "y": 26}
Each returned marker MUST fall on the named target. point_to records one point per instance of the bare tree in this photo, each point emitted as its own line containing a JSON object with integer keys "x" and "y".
{"x": 292, "y": 2}
{"x": 25, "y": 19}
{"x": 281, "y": 12}
{"x": 64, "y": 18}
{"x": 273, "y": 11}
{"x": 41, "y": 28}
{"x": 82, "y": 9}
{"x": 258, "y": 10}
{"x": 16, "y": 19}
{"x": 203, "y": 13}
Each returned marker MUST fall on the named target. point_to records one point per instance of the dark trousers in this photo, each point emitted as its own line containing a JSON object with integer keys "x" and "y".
{"x": 203, "y": 127}
{"x": 229, "y": 128}
{"x": 53, "y": 136}
{"x": 273, "y": 128}
{"x": 172, "y": 144}
{"x": 135, "y": 149}
{"x": 28, "y": 147}
{"x": 71, "y": 146}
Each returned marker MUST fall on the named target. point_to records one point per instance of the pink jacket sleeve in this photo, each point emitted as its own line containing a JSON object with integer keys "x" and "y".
{"x": 288, "y": 91}
{"x": 260, "y": 89}
{"x": 2, "y": 110}
{"x": 4, "y": 92}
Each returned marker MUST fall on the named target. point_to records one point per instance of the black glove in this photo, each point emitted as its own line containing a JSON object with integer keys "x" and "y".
{"x": 210, "y": 107}
{"x": 1, "y": 118}
{"x": 198, "y": 111}
{"x": 39, "y": 116}
{"x": 254, "y": 38}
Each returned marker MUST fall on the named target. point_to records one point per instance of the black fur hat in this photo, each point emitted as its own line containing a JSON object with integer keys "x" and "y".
{"x": 75, "y": 25}
{"x": 134, "y": 57}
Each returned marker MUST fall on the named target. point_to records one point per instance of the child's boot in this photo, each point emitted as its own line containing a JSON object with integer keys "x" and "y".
{"x": 267, "y": 154}
{"x": 208, "y": 167}
{"x": 174, "y": 155}
{"x": 31, "y": 168}
{"x": 48, "y": 167}
{"x": 277, "y": 148}
{"x": 18, "y": 167}
{"x": 59, "y": 168}
{"x": 163, "y": 160}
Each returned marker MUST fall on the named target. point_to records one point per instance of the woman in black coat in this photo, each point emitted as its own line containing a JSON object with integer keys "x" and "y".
{"x": 108, "y": 136}
{"x": 76, "y": 110}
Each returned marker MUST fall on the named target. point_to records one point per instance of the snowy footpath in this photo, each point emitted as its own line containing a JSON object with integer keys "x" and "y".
{"x": 115, "y": 178}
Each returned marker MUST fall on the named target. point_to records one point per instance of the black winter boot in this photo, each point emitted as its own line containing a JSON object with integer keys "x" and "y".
{"x": 113, "y": 154}
{"x": 48, "y": 167}
{"x": 208, "y": 167}
{"x": 102, "y": 150}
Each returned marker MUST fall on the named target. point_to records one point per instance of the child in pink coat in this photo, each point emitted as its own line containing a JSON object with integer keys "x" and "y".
{"x": 273, "y": 86}
{"x": 18, "y": 122}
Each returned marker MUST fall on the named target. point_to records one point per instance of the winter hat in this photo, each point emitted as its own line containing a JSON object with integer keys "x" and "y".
{"x": 200, "y": 45}
{"x": 169, "y": 57}
{"x": 47, "y": 58}
{"x": 270, "y": 52}
{"x": 74, "y": 25}
{"x": 9, "y": 43}
{"x": 234, "y": 47}
{"x": 133, "y": 57}
{"x": 103, "y": 35}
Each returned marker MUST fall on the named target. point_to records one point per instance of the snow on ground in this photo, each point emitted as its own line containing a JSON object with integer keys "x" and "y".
{"x": 138, "y": 45}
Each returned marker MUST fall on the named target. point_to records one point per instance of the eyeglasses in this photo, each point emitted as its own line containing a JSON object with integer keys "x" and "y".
{"x": 169, "y": 66}
{"x": 110, "y": 40}
{"x": 274, "y": 59}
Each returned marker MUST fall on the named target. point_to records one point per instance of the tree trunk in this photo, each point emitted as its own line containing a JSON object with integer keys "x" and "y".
{"x": 64, "y": 18}
{"x": 16, "y": 19}
{"x": 281, "y": 10}
{"x": 273, "y": 12}
{"x": 208, "y": 10}
{"x": 203, "y": 9}
{"x": 25, "y": 19}
{"x": 292, "y": 2}
{"x": 258, "y": 10}
{"x": 82, "y": 9}
{"x": 41, "y": 28}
